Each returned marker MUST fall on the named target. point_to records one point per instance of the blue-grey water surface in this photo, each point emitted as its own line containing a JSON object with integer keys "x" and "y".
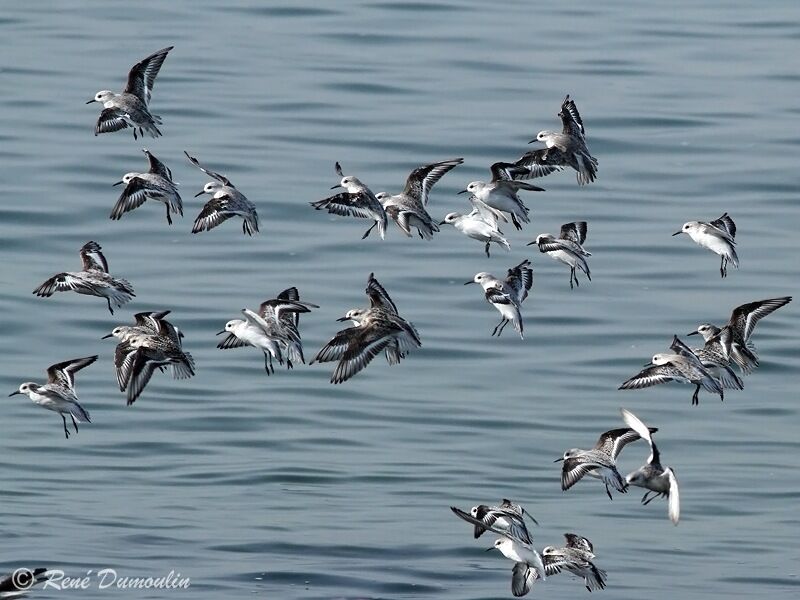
{"x": 289, "y": 487}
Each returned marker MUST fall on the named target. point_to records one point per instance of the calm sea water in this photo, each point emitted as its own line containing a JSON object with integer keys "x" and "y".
{"x": 288, "y": 487}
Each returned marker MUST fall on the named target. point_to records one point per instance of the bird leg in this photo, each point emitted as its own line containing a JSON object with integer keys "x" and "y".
{"x": 695, "y": 399}
{"x": 367, "y": 232}
{"x": 722, "y": 270}
{"x": 108, "y": 301}
{"x": 644, "y": 498}
{"x": 650, "y": 499}
{"x": 267, "y": 361}
{"x": 516, "y": 223}
{"x": 487, "y": 250}
{"x": 608, "y": 492}
{"x": 503, "y": 326}
{"x": 169, "y": 218}
{"x": 289, "y": 364}
{"x": 497, "y": 327}
{"x": 66, "y": 431}
{"x": 571, "y": 275}
{"x": 74, "y": 423}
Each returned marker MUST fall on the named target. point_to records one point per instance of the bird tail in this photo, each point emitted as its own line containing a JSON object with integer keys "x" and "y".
{"x": 80, "y": 413}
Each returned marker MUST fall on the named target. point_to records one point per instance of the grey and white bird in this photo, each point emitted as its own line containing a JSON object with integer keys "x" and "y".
{"x": 600, "y": 462}
{"x": 480, "y": 224}
{"x": 156, "y": 184}
{"x": 733, "y": 340}
{"x": 507, "y": 516}
{"x": 131, "y": 107}
{"x": 145, "y": 323}
{"x": 21, "y": 580}
{"x": 567, "y": 148}
{"x": 576, "y": 557}
{"x": 507, "y": 295}
{"x": 152, "y": 343}
{"x": 717, "y": 236}
{"x": 683, "y": 366}
{"x": 501, "y": 194}
{"x": 356, "y": 201}
{"x": 226, "y": 202}
{"x": 567, "y": 248}
{"x": 379, "y": 328}
{"x": 655, "y": 478}
{"x": 407, "y": 209}
{"x": 516, "y": 544}
{"x": 273, "y": 329}
{"x": 58, "y": 394}
{"x": 93, "y": 280}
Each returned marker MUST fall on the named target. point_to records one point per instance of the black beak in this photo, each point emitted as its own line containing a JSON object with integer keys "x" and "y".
{"x": 338, "y": 185}
{"x": 468, "y": 282}
{"x": 531, "y": 243}
{"x": 647, "y": 364}
{"x": 558, "y": 459}
{"x": 220, "y": 332}
{"x": 677, "y": 233}
{"x": 342, "y": 319}
{"x": 443, "y": 223}
{"x": 200, "y": 193}
{"x": 14, "y": 393}
{"x": 490, "y": 549}
{"x": 105, "y": 337}
{"x": 534, "y": 140}
{"x": 694, "y": 333}
{"x": 92, "y": 100}
{"x": 118, "y": 183}
{"x": 463, "y": 192}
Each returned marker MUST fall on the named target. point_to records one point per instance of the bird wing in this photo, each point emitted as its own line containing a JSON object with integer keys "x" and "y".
{"x": 683, "y": 350}
{"x": 745, "y": 317}
{"x": 221, "y": 178}
{"x": 612, "y": 442}
{"x": 574, "y": 232}
{"x": 231, "y": 341}
{"x": 336, "y": 347}
{"x": 141, "y": 371}
{"x": 156, "y": 166}
{"x": 110, "y": 119}
{"x": 142, "y": 76}
{"x": 346, "y": 204}
{"x": 422, "y": 179}
{"x": 725, "y": 223}
{"x": 674, "y": 501}
{"x": 652, "y": 375}
{"x": 92, "y": 258}
{"x": 571, "y": 118}
{"x": 578, "y": 542}
{"x": 538, "y": 163}
{"x": 573, "y": 469}
{"x": 133, "y": 196}
{"x": 510, "y": 533}
{"x": 520, "y": 280}
{"x": 635, "y": 423}
{"x": 523, "y": 576}
{"x": 365, "y": 344}
{"x": 214, "y": 212}
{"x": 517, "y": 529}
{"x": 491, "y": 216}
{"x": 378, "y": 296}
{"x": 64, "y": 373}
{"x": 124, "y": 355}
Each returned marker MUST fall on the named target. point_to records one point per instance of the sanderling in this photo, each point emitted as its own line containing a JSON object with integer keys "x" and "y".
{"x": 376, "y": 328}
{"x": 146, "y": 323}
{"x": 14, "y": 585}
{"x": 515, "y": 544}
{"x": 273, "y": 329}
{"x": 93, "y": 280}
{"x": 717, "y": 236}
{"x": 152, "y": 343}
{"x": 58, "y": 394}
{"x": 480, "y": 224}
{"x": 507, "y": 517}
{"x": 733, "y": 340}
{"x": 156, "y": 185}
{"x": 658, "y": 480}
{"x": 567, "y": 248}
{"x": 577, "y": 558}
{"x": 226, "y": 202}
{"x": 407, "y": 208}
{"x": 683, "y": 366}
{"x": 357, "y": 201}
{"x": 567, "y": 148}
{"x": 507, "y": 295}
{"x": 524, "y": 168}
{"x": 130, "y": 108}
{"x": 501, "y": 194}
{"x": 599, "y": 462}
